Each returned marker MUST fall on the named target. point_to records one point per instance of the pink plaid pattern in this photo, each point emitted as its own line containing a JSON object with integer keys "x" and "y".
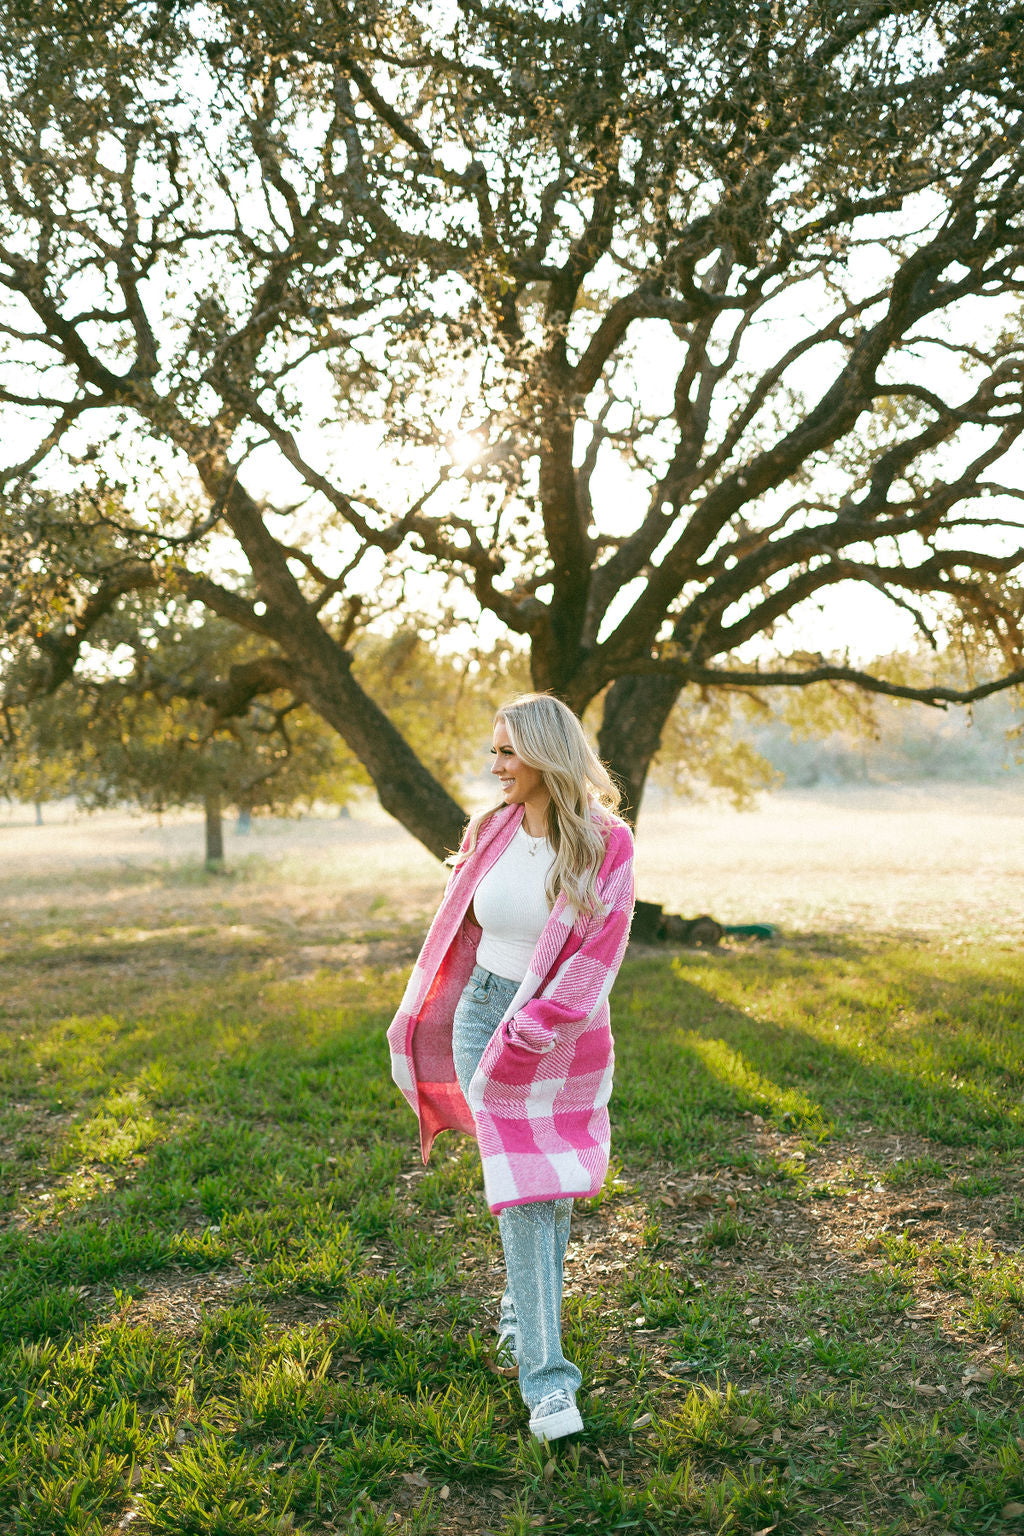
{"x": 539, "y": 1101}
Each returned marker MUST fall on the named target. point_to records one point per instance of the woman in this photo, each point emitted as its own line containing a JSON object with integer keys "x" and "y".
{"x": 504, "y": 1032}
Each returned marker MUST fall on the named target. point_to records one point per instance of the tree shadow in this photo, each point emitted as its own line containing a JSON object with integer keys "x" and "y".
{"x": 220, "y": 1126}
{"x": 243, "y": 1117}
{"x": 872, "y": 1036}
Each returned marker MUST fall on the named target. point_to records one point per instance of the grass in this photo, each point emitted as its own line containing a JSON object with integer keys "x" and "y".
{"x": 232, "y": 1301}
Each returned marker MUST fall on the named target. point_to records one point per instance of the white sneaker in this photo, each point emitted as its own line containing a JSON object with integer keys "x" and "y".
{"x": 554, "y": 1416}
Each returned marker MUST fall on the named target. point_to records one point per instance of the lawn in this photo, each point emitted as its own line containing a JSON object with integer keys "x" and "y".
{"x": 233, "y": 1301}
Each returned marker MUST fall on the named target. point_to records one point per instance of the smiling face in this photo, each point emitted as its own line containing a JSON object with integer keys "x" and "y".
{"x": 520, "y": 784}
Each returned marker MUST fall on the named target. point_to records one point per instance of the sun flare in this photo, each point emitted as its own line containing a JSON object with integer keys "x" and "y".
{"x": 465, "y": 448}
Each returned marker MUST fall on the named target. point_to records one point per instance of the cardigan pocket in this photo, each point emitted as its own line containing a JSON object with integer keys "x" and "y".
{"x": 524, "y": 1034}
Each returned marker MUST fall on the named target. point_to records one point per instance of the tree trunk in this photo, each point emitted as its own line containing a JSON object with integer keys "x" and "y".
{"x": 635, "y": 711}
{"x": 406, "y": 789}
{"x": 214, "y": 831}
{"x": 39, "y": 812}
{"x": 243, "y": 826}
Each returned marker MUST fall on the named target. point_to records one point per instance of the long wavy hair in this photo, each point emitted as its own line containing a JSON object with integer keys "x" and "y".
{"x": 547, "y": 736}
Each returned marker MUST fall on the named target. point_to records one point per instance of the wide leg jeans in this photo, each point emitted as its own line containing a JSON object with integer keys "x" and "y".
{"x": 534, "y": 1237}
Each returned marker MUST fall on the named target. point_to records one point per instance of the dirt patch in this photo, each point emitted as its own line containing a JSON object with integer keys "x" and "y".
{"x": 173, "y": 1300}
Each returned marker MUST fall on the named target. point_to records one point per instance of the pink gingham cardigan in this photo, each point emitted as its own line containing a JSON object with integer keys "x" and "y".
{"x": 538, "y": 1103}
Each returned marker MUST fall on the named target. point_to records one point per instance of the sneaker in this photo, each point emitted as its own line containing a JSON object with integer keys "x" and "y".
{"x": 554, "y": 1416}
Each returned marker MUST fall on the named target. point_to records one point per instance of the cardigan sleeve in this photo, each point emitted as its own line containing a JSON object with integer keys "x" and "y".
{"x": 585, "y": 979}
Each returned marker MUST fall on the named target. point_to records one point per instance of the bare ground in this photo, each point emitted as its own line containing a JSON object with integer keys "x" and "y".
{"x": 942, "y": 859}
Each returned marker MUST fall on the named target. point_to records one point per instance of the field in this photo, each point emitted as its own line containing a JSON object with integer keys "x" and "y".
{"x": 232, "y": 1301}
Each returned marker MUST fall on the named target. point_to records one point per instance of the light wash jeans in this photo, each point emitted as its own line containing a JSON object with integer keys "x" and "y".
{"x": 535, "y": 1236}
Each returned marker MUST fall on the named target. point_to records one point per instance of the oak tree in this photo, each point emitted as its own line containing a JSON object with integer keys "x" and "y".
{"x": 662, "y": 322}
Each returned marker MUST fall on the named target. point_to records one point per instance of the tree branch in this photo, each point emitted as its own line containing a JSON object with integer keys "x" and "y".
{"x": 713, "y": 677}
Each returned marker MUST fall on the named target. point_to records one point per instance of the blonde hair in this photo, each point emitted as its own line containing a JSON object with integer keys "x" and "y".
{"x": 548, "y": 736}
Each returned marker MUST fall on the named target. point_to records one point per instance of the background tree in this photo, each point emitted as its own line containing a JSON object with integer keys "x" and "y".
{"x": 178, "y": 723}
{"x": 713, "y": 308}
{"x": 836, "y": 735}
{"x": 41, "y": 769}
{"x": 174, "y": 708}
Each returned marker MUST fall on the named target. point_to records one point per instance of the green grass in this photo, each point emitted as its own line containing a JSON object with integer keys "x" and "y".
{"x": 232, "y": 1302}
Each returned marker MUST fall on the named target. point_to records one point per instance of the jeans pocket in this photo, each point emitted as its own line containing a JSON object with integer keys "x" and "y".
{"x": 481, "y": 991}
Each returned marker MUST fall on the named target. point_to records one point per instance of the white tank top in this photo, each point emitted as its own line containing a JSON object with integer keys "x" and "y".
{"x": 511, "y": 907}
